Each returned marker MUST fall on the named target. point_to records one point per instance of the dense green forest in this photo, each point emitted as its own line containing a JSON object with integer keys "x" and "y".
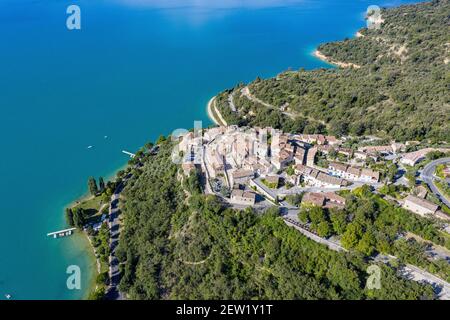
{"x": 370, "y": 224}
{"x": 177, "y": 243}
{"x": 400, "y": 91}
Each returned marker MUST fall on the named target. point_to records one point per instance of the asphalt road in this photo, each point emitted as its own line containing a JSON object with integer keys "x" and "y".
{"x": 114, "y": 227}
{"x": 428, "y": 177}
{"x": 332, "y": 245}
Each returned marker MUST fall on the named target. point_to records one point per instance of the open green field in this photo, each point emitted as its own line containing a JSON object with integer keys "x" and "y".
{"x": 92, "y": 206}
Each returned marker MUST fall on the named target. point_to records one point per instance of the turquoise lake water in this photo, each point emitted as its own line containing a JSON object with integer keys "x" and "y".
{"x": 136, "y": 69}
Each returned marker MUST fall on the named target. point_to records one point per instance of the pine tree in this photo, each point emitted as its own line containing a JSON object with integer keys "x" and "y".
{"x": 149, "y": 146}
{"x": 160, "y": 140}
{"x": 101, "y": 183}
{"x": 78, "y": 218}
{"x": 93, "y": 189}
{"x": 69, "y": 217}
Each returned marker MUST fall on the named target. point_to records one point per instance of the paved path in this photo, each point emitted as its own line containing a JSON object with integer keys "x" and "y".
{"x": 114, "y": 227}
{"x": 204, "y": 165}
{"x": 246, "y": 92}
{"x": 414, "y": 273}
{"x": 212, "y": 111}
{"x": 297, "y": 225}
{"x": 428, "y": 177}
{"x": 263, "y": 187}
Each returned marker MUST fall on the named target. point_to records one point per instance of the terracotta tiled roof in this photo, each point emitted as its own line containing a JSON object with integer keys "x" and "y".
{"x": 370, "y": 173}
{"x": 243, "y": 194}
{"x": 354, "y": 171}
{"x": 338, "y": 166}
{"x": 329, "y": 179}
{"x": 314, "y": 198}
{"x": 242, "y": 173}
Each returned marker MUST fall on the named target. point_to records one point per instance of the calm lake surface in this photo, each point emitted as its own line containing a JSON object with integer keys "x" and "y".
{"x": 136, "y": 69}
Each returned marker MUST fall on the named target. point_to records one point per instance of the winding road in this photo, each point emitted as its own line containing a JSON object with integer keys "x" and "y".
{"x": 428, "y": 177}
{"x": 246, "y": 92}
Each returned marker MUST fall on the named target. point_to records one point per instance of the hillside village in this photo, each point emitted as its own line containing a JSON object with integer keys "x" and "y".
{"x": 245, "y": 211}
{"x": 261, "y": 167}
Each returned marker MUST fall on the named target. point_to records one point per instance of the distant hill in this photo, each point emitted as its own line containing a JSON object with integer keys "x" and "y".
{"x": 400, "y": 90}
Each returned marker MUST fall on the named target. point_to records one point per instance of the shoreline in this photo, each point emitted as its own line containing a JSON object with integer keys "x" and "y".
{"x": 85, "y": 241}
{"x": 221, "y": 121}
{"x": 341, "y": 64}
{"x": 87, "y": 196}
{"x": 82, "y": 240}
{"x": 93, "y": 285}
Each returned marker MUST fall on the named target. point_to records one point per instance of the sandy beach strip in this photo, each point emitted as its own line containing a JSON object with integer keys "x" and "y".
{"x": 341, "y": 64}
{"x": 211, "y": 109}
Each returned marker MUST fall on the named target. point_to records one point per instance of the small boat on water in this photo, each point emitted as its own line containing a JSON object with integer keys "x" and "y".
{"x": 90, "y": 147}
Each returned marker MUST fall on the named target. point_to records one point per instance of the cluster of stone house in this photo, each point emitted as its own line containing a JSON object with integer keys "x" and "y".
{"x": 357, "y": 154}
{"x": 326, "y": 149}
{"x": 317, "y": 178}
{"x": 318, "y": 139}
{"x": 383, "y": 150}
{"x": 239, "y": 155}
{"x": 365, "y": 152}
{"x": 282, "y": 150}
{"x": 352, "y": 173}
{"x": 243, "y": 153}
{"x": 287, "y": 149}
{"x": 242, "y": 158}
